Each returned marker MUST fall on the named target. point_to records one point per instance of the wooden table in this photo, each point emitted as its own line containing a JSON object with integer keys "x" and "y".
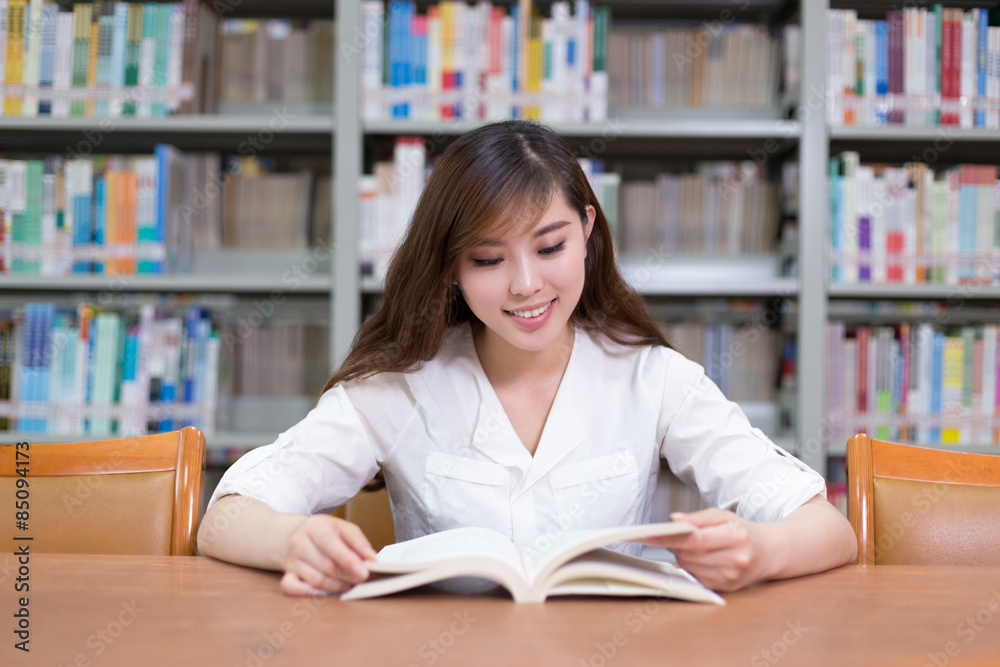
{"x": 138, "y": 610}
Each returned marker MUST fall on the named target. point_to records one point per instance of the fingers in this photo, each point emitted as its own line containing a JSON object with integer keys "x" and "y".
{"x": 356, "y": 540}
{"x": 712, "y": 516}
{"x": 720, "y": 553}
{"x": 326, "y": 555}
{"x": 292, "y": 584}
{"x": 731, "y": 533}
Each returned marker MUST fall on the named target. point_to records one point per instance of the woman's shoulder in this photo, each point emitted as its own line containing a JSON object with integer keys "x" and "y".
{"x": 457, "y": 349}
{"x": 645, "y": 356}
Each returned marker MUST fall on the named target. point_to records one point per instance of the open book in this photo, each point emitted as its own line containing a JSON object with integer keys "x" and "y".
{"x": 575, "y": 563}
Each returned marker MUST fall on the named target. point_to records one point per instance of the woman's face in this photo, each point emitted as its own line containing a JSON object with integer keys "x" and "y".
{"x": 525, "y": 286}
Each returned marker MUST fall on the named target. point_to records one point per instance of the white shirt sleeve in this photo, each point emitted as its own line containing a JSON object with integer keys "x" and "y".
{"x": 319, "y": 463}
{"x": 709, "y": 444}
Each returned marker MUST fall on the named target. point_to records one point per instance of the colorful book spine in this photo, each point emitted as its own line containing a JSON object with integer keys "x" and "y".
{"x": 119, "y": 40}
{"x": 4, "y": 15}
{"x": 46, "y": 67}
{"x": 92, "y": 48}
{"x": 105, "y": 38}
{"x": 133, "y": 45}
{"x": 62, "y": 77}
{"x": 16, "y": 26}
{"x": 82, "y": 14}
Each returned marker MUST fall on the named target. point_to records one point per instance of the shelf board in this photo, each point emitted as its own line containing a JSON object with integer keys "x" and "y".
{"x": 914, "y": 292}
{"x": 941, "y": 146}
{"x": 902, "y": 133}
{"x": 651, "y": 125}
{"x": 239, "y": 270}
{"x": 194, "y": 123}
{"x": 215, "y": 441}
{"x": 692, "y": 276}
{"x": 248, "y": 283}
{"x": 707, "y": 275}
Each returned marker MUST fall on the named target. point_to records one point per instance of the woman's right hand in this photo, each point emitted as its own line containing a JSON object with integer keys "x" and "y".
{"x": 325, "y": 555}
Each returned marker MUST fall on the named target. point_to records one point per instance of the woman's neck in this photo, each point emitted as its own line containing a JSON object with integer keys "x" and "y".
{"x": 505, "y": 364}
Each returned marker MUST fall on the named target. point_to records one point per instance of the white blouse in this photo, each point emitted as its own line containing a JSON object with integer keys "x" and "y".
{"x": 451, "y": 457}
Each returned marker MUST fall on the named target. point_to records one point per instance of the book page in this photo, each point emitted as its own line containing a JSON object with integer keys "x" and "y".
{"x": 539, "y": 564}
{"x": 492, "y": 572}
{"x": 444, "y": 547}
{"x": 608, "y": 572}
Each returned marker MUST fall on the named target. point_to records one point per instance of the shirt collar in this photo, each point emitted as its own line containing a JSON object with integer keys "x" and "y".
{"x": 494, "y": 436}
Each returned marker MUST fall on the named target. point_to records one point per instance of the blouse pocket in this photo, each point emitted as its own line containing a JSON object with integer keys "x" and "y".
{"x": 466, "y": 492}
{"x": 597, "y": 493}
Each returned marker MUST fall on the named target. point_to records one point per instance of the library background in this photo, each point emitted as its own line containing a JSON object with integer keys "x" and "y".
{"x": 198, "y": 200}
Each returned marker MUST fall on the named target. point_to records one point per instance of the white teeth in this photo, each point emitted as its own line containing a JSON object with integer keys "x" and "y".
{"x": 531, "y": 313}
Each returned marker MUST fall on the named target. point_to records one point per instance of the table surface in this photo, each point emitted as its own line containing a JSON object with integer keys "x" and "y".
{"x": 152, "y": 610}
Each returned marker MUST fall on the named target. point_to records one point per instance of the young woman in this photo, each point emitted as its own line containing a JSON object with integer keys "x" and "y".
{"x": 512, "y": 380}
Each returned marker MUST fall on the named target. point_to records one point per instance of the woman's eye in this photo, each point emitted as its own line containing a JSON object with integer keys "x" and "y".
{"x": 485, "y": 262}
{"x": 551, "y": 250}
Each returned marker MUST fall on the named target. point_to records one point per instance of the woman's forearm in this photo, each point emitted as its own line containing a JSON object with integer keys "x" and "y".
{"x": 813, "y": 538}
{"x": 246, "y": 531}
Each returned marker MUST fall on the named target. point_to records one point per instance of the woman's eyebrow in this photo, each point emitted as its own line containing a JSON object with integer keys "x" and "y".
{"x": 551, "y": 227}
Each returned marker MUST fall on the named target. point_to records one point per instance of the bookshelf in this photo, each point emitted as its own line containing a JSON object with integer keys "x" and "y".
{"x": 230, "y": 282}
{"x": 794, "y": 128}
{"x": 645, "y": 134}
{"x": 943, "y": 147}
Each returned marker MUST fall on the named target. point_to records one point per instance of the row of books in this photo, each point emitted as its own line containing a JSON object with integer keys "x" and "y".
{"x": 745, "y": 361}
{"x": 266, "y": 210}
{"x": 280, "y": 360}
{"x": 107, "y": 59}
{"x": 482, "y": 62}
{"x": 276, "y": 60}
{"x": 721, "y": 208}
{"x": 909, "y": 224}
{"x": 144, "y": 214}
{"x": 388, "y": 196}
{"x": 115, "y": 214}
{"x": 88, "y": 371}
{"x": 919, "y": 66}
{"x": 914, "y": 383}
{"x": 254, "y": 202}
{"x": 732, "y": 65}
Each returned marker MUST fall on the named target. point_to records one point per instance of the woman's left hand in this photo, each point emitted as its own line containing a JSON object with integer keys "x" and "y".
{"x": 725, "y": 553}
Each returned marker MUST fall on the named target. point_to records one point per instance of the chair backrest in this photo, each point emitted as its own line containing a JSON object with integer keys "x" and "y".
{"x": 138, "y": 495}
{"x": 921, "y": 506}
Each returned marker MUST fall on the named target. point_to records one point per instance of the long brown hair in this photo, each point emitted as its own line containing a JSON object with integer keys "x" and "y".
{"x": 492, "y": 178}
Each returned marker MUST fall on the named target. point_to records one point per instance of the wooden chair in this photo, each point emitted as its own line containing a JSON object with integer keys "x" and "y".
{"x": 920, "y": 506}
{"x": 138, "y": 495}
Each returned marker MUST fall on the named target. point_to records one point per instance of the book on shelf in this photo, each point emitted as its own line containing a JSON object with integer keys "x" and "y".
{"x": 277, "y": 359}
{"x": 575, "y": 563}
{"x": 744, "y": 360}
{"x": 724, "y": 208}
{"x": 911, "y": 225}
{"x": 112, "y": 214}
{"x": 483, "y": 62}
{"x": 276, "y": 60}
{"x": 108, "y": 58}
{"x": 266, "y": 210}
{"x": 737, "y": 65}
{"x": 918, "y": 67}
{"x": 917, "y": 383}
{"x": 97, "y": 371}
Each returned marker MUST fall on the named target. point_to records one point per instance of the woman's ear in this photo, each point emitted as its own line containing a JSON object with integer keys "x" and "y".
{"x": 589, "y": 227}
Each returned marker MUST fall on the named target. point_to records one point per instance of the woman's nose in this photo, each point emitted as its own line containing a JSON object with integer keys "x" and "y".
{"x": 527, "y": 278}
